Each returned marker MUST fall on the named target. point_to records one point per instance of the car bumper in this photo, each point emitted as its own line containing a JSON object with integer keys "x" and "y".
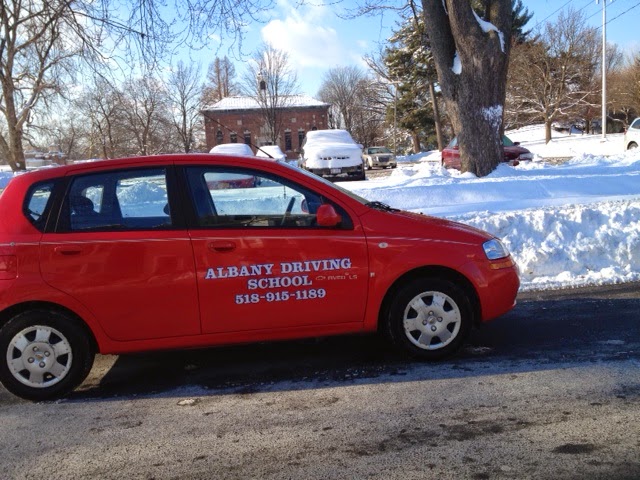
{"x": 340, "y": 173}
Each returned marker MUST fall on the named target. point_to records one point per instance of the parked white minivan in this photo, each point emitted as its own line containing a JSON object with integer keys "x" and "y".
{"x": 332, "y": 154}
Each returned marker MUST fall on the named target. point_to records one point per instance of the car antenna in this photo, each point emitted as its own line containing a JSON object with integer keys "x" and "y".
{"x": 250, "y": 143}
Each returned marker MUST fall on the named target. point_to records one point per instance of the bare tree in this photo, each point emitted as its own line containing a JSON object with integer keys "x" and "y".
{"x": 184, "y": 94}
{"x": 39, "y": 39}
{"x": 221, "y": 81}
{"x": 623, "y": 90}
{"x": 34, "y": 57}
{"x": 554, "y": 77}
{"x": 343, "y": 88}
{"x": 147, "y": 115}
{"x": 471, "y": 52}
{"x": 103, "y": 108}
{"x": 271, "y": 81}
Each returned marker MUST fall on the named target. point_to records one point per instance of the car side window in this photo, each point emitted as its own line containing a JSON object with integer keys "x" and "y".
{"x": 239, "y": 198}
{"x": 119, "y": 200}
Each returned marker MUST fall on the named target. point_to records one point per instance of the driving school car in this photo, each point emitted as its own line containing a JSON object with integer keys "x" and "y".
{"x": 162, "y": 253}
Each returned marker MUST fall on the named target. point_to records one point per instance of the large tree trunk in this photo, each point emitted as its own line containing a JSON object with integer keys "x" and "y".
{"x": 472, "y": 69}
{"x": 547, "y": 130}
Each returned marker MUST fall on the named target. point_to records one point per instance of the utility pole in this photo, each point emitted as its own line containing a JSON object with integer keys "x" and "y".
{"x": 604, "y": 68}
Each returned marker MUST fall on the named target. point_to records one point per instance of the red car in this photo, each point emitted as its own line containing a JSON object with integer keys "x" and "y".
{"x": 513, "y": 153}
{"x": 141, "y": 254}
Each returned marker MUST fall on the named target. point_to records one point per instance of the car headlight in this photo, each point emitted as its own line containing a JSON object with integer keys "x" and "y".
{"x": 494, "y": 249}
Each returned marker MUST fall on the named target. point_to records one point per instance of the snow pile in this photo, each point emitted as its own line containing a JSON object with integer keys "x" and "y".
{"x": 572, "y": 224}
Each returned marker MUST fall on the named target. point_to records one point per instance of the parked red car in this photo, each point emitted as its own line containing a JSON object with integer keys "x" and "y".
{"x": 142, "y": 254}
{"x": 513, "y": 153}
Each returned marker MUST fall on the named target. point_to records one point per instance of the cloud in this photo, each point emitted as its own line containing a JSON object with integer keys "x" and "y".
{"x": 307, "y": 44}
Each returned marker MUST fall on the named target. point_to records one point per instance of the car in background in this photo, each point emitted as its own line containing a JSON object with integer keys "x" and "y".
{"x": 140, "y": 254}
{"x": 332, "y": 154}
{"x": 274, "y": 152}
{"x": 231, "y": 180}
{"x": 632, "y": 135}
{"x": 379, "y": 157}
{"x": 513, "y": 153}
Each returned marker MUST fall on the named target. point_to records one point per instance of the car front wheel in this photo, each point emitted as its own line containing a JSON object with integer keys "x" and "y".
{"x": 632, "y": 145}
{"x": 45, "y": 354}
{"x": 429, "y": 318}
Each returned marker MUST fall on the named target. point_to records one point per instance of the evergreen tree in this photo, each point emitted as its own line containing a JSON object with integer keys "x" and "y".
{"x": 410, "y": 67}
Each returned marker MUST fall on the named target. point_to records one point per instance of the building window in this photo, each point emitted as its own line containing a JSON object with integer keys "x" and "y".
{"x": 219, "y": 137}
{"x": 293, "y": 120}
{"x": 287, "y": 141}
{"x": 247, "y": 137}
{"x": 239, "y": 122}
{"x": 300, "y": 138}
{"x": 234, "y": 137}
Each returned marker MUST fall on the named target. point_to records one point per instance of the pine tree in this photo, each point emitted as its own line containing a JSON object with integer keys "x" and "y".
{"x": 410, "y": 66}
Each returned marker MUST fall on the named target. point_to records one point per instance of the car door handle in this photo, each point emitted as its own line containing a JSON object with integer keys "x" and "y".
{"x": 68, "y": 250}
{"x": 222, "y": 246}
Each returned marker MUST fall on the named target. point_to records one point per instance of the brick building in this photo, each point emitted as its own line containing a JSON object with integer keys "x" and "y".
{"x": 244, "y": 122}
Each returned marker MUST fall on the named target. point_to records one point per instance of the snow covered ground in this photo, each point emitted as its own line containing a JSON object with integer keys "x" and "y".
{"x": 567, "y": 225}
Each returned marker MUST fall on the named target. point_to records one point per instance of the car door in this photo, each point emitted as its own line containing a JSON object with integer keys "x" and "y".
{"x": 262, "y": 262}
{"x": 119, "y": 250}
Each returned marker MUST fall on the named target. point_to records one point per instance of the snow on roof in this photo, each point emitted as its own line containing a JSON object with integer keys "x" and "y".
{"x": 250, "y": 103}
{"x": 232, "y": 149}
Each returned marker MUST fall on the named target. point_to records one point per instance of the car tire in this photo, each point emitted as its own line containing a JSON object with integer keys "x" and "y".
{"x": 632, "y": 145}
{"x": 369, "y": 164}
{"x": 45, "y": 354}
{"x": 429, "y": 318}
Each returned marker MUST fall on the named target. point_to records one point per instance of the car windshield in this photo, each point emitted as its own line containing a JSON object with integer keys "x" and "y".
{"x": 352, "y": 195}
{"x": 506, "y": 141}
{"x": 375, "y": 150}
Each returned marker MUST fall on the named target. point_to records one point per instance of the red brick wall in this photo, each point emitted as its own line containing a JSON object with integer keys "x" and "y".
{"x": 296, "y": 120}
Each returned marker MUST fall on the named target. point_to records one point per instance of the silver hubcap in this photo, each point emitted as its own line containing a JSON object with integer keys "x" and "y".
{"x": 432, "y": 320}
{"x": 39, "y": 356}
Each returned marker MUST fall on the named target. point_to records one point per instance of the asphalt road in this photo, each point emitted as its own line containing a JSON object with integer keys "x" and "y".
{"x": 549, "y": 391}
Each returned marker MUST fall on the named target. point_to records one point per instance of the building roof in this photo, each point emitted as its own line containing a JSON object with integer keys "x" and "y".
{"x": 250, "y": 103}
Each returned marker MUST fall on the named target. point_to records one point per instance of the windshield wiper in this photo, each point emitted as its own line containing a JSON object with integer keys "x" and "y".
{"x": 381, "y": 206}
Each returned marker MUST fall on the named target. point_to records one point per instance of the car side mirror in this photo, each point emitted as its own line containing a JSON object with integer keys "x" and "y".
{"x": 326, "y": 216}
{"x": 516, "y": 143}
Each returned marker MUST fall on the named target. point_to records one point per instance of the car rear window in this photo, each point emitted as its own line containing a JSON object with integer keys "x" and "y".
{"x": 37, "y": 203}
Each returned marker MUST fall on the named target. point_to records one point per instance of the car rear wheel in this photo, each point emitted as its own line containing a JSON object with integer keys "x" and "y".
{"x": 429, "y": 318}
{"x": 45, "y": 354}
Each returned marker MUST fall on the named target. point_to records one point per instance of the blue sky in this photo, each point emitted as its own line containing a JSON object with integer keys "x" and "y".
{"x": 318, "y": 38}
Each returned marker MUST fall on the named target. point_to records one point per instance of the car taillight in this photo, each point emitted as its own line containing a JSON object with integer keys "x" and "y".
{"x": 8, "y": 267}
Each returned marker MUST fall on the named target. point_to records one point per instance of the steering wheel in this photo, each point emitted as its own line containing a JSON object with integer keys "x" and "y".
{"x": 287, "y": 213}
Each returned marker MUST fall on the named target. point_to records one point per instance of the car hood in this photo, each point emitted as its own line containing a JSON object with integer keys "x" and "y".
{"x": 411, "y": 225}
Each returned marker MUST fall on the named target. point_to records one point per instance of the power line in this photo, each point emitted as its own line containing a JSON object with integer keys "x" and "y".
{"x": 551, "y": 15}
{"x": 599, "y": 12}
{"x": 619, "y": 15}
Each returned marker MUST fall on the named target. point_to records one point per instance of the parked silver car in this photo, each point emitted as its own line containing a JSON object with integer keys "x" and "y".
{"x": 379, "y": 157}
